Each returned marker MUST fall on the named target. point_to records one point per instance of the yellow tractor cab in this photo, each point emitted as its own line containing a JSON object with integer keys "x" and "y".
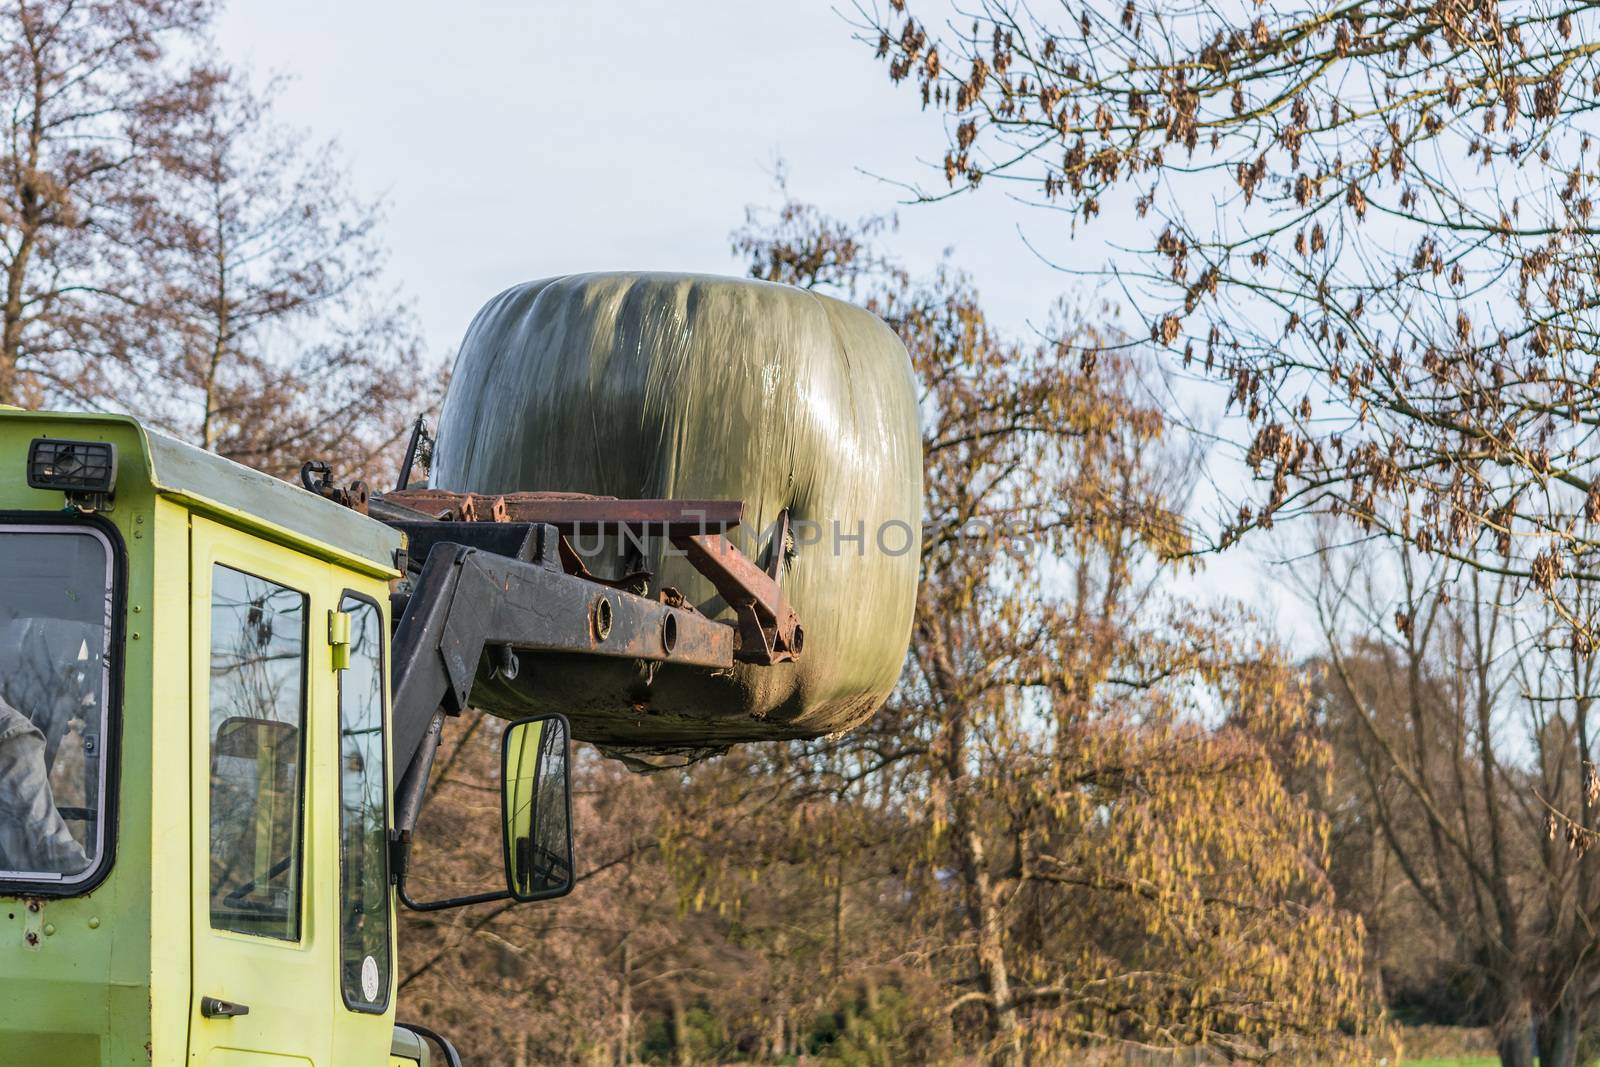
{"x": 220, "y": 698}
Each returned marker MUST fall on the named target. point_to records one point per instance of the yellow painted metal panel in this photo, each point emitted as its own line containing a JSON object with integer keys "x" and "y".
{"x": 290, "y": 987}
{"x": 79, "y": 994}
{"x": 114, "y": 977}
{"x": 214, "y": 486}
{"x": 162, "y": 621}
{"x": 358, "y": 1037}
{"x": 235, "y": 1057}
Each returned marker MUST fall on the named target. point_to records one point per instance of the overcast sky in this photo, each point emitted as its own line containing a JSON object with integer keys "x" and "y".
{"x": 518, "y": 140}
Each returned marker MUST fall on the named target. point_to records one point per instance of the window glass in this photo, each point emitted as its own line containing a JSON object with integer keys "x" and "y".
{"x": 56, "y": 602}
{"x": 363, "y": 834}
{"x": 553, "y": 847}
{"x": 258, "y": 649}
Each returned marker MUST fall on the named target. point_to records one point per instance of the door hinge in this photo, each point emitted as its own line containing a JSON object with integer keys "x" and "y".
{"x": 339, "y": 638}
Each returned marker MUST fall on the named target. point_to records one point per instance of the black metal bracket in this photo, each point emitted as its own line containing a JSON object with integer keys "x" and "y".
{"x": 508, "y": 590}
{"x": 449, "y": 902}
{"x": 420, "y": 447}
{"x": 317, "y": 477}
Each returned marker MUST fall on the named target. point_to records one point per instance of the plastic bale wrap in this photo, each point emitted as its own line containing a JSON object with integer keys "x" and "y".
{"x": 692, "y": 387}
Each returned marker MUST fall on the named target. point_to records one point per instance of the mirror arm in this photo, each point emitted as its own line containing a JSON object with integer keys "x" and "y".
{"x": 399, "y": 864}
{"x": 411, "y": 792}
{"x": 451, "y": 1056}
{"x": 448, "y": 902}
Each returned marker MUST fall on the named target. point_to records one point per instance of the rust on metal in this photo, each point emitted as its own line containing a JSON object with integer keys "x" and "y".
{"x": 448, "y": 507}
{"x": 380, "y": 508}
{"x": 769, "y": 630}
{"x": 601, "y": 617}
{"x": 317, "y": 477}
{"x": 637, "y": 581}
{"x": 766, "y": 629}
{"x": 689, "y": 637}
{"x": 627, "y": 627}
{"x": 577, "y": 513}
{"x": 588, "y": 516}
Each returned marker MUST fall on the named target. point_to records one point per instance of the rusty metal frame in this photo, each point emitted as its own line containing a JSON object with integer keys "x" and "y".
{"x": 467, "y": 602}
{"x": 575, "y": 513}
{"x": 767, "y": 629}
{"x": 498, "y": 576}
{"x": 492, "y": 584}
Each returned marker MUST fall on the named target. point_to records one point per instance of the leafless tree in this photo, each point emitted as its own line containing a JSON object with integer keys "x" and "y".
{"x": 89, "y": 94}
{"x": 1469, "y": 722}
{"x": 1371, "y": 222}
{"x": 262, "y": 313}
{"x": 168, "y": 248}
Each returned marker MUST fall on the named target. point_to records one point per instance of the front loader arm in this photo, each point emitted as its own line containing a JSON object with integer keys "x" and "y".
{"x": 501, "y": 588}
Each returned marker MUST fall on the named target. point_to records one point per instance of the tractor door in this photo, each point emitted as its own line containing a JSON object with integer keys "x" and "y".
{"x": 265, "y": 933}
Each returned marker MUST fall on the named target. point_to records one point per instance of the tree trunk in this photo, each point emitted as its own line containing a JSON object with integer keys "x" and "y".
{"x": 983, "y": 917}
{"x": 1559, "y": 1033}
{"x": 11, "y": 332}
{"x": 209, "y": 430}
{"x": 1514, "y": 1034}
{"x": 838, "y": 915}
{"x": 680, "y": 1033}
{"x": 1006, "y": 1048}
{"x": 625, "y": 1023}
{"x": 17, "y": 269}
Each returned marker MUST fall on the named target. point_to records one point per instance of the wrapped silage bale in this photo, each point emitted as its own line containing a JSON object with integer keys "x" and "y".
{"x": 692, "y": 387}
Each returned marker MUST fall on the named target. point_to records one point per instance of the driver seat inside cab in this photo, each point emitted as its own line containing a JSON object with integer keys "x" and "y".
{"x": 194, "y": 760}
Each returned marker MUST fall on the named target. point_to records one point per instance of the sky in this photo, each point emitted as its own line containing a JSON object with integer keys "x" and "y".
{"x": 514, "y": 141}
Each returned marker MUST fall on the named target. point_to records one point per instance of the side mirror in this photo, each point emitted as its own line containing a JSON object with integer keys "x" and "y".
{"x": 536, "y": 808}
{"x": 535, "y": 819}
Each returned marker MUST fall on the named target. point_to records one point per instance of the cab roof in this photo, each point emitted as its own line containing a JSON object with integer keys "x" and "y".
{"x": 209, "y": 483}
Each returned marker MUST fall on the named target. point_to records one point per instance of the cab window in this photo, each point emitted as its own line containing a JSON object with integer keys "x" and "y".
{"x": 257, "y": 702}
{"x": 363, "y": 798}
{"x": 56, "y": 657}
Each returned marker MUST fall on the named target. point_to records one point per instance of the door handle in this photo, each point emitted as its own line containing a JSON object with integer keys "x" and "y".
{"x": 217, "y": 1008}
